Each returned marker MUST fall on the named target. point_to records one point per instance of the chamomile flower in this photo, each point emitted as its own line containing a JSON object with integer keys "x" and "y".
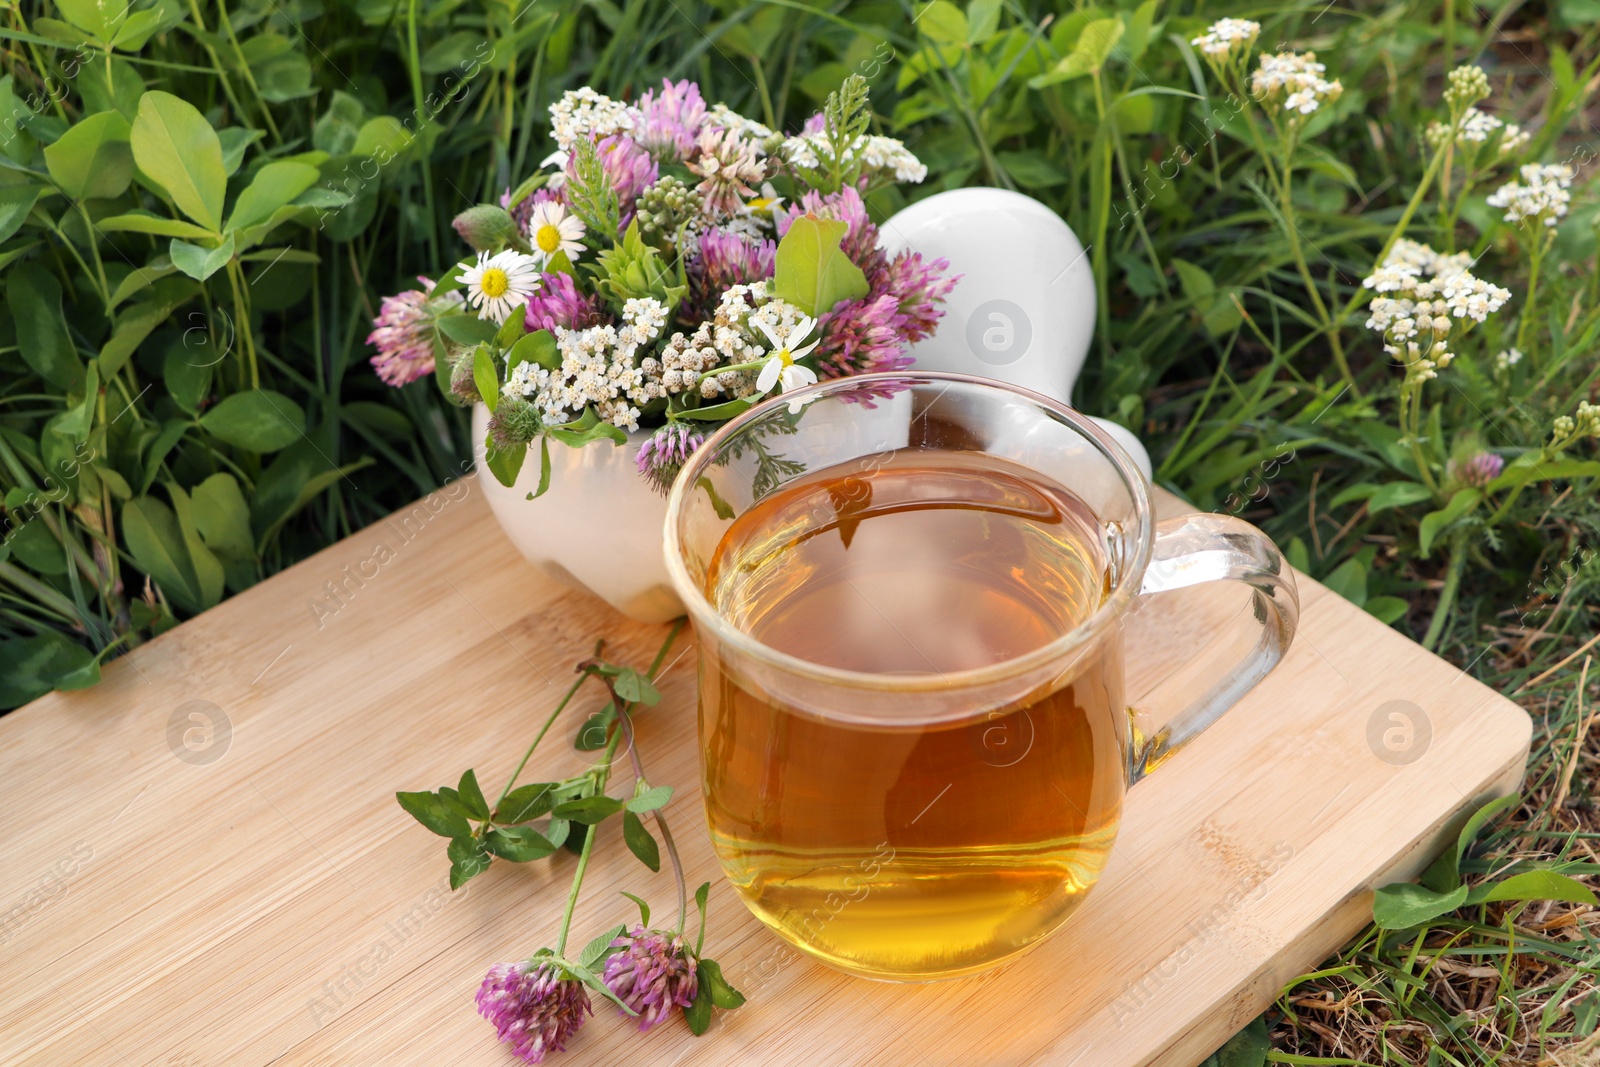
{"x": 782, "y": 370}
{"x": 552, "y": 229}
{"x": 497, "y": 285}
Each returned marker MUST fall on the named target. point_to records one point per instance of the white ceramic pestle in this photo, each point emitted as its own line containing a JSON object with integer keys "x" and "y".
{"x": 1024, "y": 309}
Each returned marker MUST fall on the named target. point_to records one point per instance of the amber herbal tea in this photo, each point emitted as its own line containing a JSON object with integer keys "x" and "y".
{"x": 897, "y": 846}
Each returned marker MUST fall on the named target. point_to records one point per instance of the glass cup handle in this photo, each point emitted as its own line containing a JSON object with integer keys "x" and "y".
{"x": 1195, "y": 550}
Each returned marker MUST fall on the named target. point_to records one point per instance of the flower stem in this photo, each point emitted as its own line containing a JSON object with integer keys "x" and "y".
{"x": 1536, "y": 255}
{"x": 542, "y": 731}
{"x": 577, "y": 883}
{"x": 1447, "y": 597}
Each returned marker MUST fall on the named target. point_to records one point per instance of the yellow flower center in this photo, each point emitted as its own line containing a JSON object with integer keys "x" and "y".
{"x": 785, "y": 357}
{"x": 494, "y": 283}
{"x": 548, "y": 239}
{"x": 760, "y": 203}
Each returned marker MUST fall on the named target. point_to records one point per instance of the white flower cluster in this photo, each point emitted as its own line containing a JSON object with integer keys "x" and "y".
{"x": 586, "y": 113}
{"x": 598, "y": 368}
{"x": 1508, "y": 359}
{"x": 1293, "y": 81}
{"x": 1226, "y": 38}
{"x": 1541, "y": 197}
{"x": 1432, "y": 293}
{"x": 728, "y": 119}
{"x": 1478, "y": 128}
{"x": 878, "y": 155}
{"x": 730, "y": 336}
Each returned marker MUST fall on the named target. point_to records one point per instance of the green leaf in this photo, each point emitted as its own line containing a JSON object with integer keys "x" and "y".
{"x": 30, "y": 667}
{"x": 526, "y": 802}
{"x": 274, "y": 185}
{"x": 154, "y": 539}
{"x": 651, "y": 799}
{"x": 1445, "y": 872}
{"x": 644, "y": 909}
{"x": 519, "y": 844}
{"x": 469, "y": 857}
{"x": 635, "y": 688}
{"x": 544, "y": 467}
{"x": 812, "y": 272}
{"x": 1397, "y": 494}
{"x": 88, "y": 16}
{"x": 1387, "y": 609}
{"x": 34, "y": 297}
{"x": 134, "y": 325}
{"x": 471, "y": 795}
{"x": 223, "y": 517}
{"x": 1535, "y": 885}
{"x": 538, "y": 347}
{"x": 588, "y": 810}
{"x": 197, "y": 262}
{"x": 585, "y": 429}
{"x": 467, "y": 329}
{"x": 558, "y": 830}
{"x": 1402, "y": 906}
{"x": 1349, "y": 580}
{"x": 1088, "y": 56}
{"x": 600, "y": 947}
{"x": 257, "y": 420}
{"x": 93, "y": 158}
{"x": 639, "y": 841}
{"x": 16, "y": 201}
{"x": 203, "y": 563}
{"x": 698, "y": 1013}
{"x": 723, "y": 995}
{"x": 941, "y": 21}
{"x": 144, "y": 222}
{"x": 1248, "y": 1048}
{"x": 1527, "y": 469}
{"x": 137, "y": 29}
{"x": 234, "y": 140}
{"x": 433, "y": 813}
{"x": 486, "y": 379}
{"x": 505, "y": 464}
{"x": 382, "y": 134}
{"x": 1461, "y": 502}
{"x": 717, "y": 412}
{"x": 176, "y": 148}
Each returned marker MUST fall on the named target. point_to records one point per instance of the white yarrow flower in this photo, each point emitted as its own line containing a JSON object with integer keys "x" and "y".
{"x": 497, "y": 285}
{"x": 1541, "y": 197}
{"x": 1293, "y": 81}
{"x": 1226, "y": 37}
{"x": 586, "y": 113}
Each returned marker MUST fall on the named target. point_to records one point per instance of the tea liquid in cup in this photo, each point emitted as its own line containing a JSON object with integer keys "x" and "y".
{"x": 914, "y": 737}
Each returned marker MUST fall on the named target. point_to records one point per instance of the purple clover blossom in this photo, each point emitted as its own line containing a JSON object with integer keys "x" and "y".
{"x": 659, "y": 460}
{"x": 653, "y": 974}
{"x": 403, "y": 335}
{"x": 1477, "y": 471}
{"x": 672, "y": 120}
{"x": 558, "y": 303}
{"x": 815, "y": 124}
{"x": 724, "y": 260}
{"x": 863, "y": 337}
{"x": 533, "y": 1007}
{"x": 920, "y": 287}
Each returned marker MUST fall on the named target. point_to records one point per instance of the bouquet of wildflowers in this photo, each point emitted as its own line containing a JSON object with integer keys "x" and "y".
{"x": 675, "y": 264}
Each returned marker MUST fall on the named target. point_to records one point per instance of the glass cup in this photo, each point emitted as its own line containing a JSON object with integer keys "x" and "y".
{"x": 912, "y": 824}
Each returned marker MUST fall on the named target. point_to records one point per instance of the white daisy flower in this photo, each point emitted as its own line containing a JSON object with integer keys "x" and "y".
{"x": 552, "y": 229}
{"x": 781, "y": 369}
{"x": 497, "y": 285}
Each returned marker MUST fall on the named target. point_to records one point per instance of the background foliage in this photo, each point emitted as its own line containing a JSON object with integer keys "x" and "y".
{"x": 201, "y": 204}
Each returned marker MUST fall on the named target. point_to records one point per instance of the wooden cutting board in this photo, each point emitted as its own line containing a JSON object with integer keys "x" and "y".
{"x": 265, "y": 901}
